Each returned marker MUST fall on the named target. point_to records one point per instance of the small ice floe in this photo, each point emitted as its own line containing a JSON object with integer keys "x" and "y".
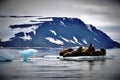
{"x": 27, "y": 53}
{"x": 5, "y": 56}
{"x": 52, "y": 56}
{"x": 87, "y": 58}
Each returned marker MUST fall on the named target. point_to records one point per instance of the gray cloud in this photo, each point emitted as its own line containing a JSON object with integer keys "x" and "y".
{"x": 87, "y": 10}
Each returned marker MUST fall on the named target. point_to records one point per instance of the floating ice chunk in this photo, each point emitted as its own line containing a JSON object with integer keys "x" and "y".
{"x": 85, "y": 58}
{"x": 81, "y": 58}
{"x": 27, "y": 53}
{"x": 52, "y": 56}
{"x": 5, "y": 56}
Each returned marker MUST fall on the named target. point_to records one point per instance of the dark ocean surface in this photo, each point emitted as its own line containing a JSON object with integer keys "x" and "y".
{"x": 52, "y": 68}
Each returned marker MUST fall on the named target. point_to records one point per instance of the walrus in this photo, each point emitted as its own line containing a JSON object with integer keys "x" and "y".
{"x": 63, "y": 51}
{"x": 98, "y": 53}
{"x": 80, "y": 52}
{"x": 89, "y": 49}
{"x": 73, "y": 53}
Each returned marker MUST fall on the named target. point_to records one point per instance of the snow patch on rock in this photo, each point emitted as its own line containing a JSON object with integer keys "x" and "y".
{"x": 55, "y": 41}
{"x": 52, "y": 31}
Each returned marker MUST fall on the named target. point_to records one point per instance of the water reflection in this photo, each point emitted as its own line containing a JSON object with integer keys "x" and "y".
{"x": 93, "y": 64}
{"x": 39, "y": 67}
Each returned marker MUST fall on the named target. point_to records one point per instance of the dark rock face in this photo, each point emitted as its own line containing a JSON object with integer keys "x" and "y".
{"x": 21, "y": 34}
{"x": 60, "y": 32}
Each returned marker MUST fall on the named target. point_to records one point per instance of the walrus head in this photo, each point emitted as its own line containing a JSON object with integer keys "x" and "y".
{"x": 79, "y": 49}
{"x": 103, "y": 51}
{"x": 70, "y": 49}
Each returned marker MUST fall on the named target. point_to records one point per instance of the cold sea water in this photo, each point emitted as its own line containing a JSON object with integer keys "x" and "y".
{"x": 45, "y": 65}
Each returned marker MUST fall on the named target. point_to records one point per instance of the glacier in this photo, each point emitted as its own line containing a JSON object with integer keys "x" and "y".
{"x": 58, "y": 32}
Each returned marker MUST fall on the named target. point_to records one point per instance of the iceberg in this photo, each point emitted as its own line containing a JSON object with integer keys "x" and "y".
{"x": 5, "y": 56}
{"x": 27, "y": 53}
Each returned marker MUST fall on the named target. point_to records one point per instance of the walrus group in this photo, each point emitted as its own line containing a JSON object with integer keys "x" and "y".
{"x": 90, "y": 51}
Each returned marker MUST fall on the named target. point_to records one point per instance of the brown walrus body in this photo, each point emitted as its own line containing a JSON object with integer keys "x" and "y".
{"x": 62, "y": 52}
{"x": 102, "y": 52}
{"x": 90, "y": 51}
{"x": 98, "y": 53}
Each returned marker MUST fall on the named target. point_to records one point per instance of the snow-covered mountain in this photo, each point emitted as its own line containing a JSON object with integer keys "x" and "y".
{"x": 58, "y": 32}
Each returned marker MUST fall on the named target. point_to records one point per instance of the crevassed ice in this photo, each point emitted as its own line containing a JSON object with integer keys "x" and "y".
{"x": 56, "y": 41}
{"x": 52, "y": 31}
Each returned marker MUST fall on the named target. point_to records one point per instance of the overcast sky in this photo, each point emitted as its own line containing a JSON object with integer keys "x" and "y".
{"x": 96, "y": 12}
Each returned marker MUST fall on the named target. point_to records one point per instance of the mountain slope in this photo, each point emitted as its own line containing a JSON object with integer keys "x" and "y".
{"x": 59, "y": 32}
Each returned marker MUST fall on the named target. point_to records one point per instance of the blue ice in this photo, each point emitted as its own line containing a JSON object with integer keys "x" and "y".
{"x": 5, "y": 56}
{"x": 27, "y": 53}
